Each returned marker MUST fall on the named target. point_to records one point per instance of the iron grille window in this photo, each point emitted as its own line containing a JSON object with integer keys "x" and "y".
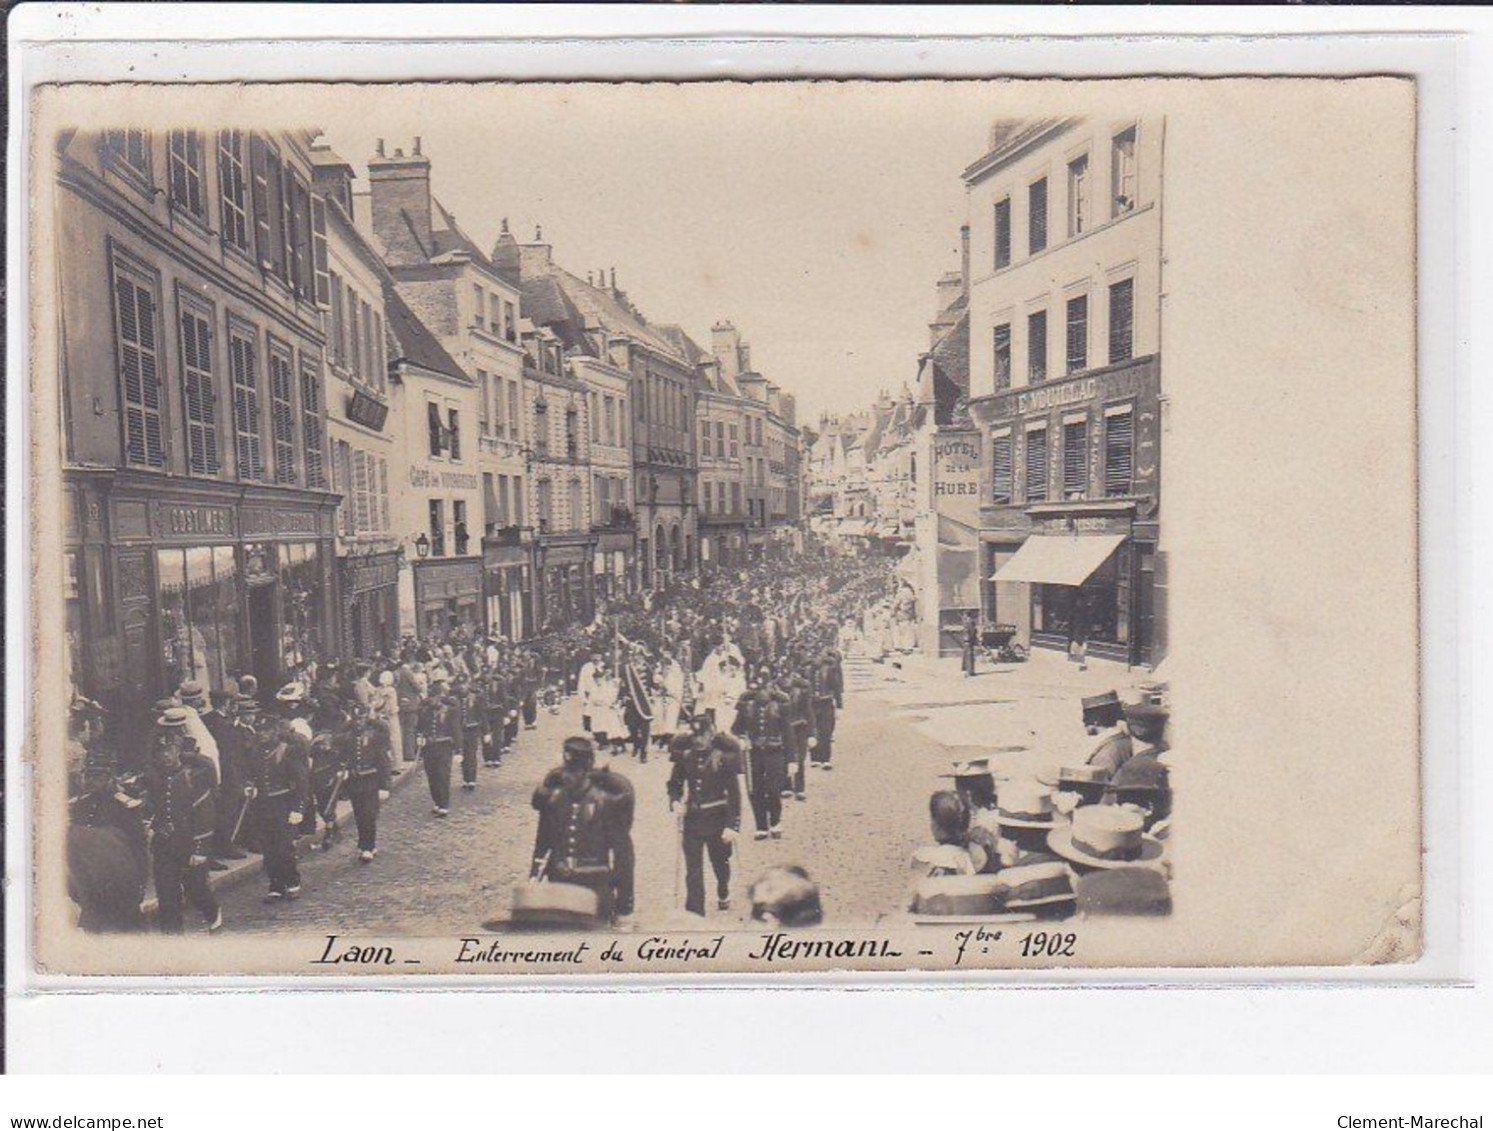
{"x": 1001, "y": 469}
{"x": 185, "y": 150}
{"x": 244, "y": 371}
{"x": 1036, "y": 465}
{"x": 282, "y": 416}
{"x": 1001, "y": 345}
{"x": 1119, "y": 454}
{"x": 1078, "y": 333}
{"x": 1036, "y": 347}
{"x": 198, "y": 387}
{"x": 1003, "y": 233}
{"x": 1076, "y": 458}
{"x": 233, "y": 189}
{"x": 311, "y": 425}
{"x": 1121, "y": 320}
{"x": 1036, "y": 216}
{"x": 139, "y": 369}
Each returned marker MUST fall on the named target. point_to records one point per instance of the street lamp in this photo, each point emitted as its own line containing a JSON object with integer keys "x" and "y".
{"x": 422, "y": 546}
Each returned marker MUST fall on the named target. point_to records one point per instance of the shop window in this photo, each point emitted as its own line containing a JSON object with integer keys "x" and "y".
{"x": 1036, "y": 347}
{"x": 233, "y": 190}
{"x": 1119, "y": 453}
{"x": 1036, "y": 465}
{"x": 185, "y": 181}
{"x": 1122, "y": 172}
{"x": 198, "y": 390}
{"x": 136, "y": 334}
{"x": 1121, "y": 320}
{"x": 1078, "y": 333}
{"x": 282, "y": 415}
{"x": 199, "y": 611}
{"x": 301, "y": 589}
{"x": 244, "y": 372}
{"x": 1001, "y": 356}
{"x": 1078, "y": 195}
{"x": 1003, "y": 233}
{"x": 1001, "y": 469}
{"x": 1036, "y": 216}
{"x": 311, "y": 425}
{"x": 1075, "y": 459}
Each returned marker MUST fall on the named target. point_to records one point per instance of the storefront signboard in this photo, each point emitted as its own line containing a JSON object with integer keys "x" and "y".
{"x": 956, "y": 475}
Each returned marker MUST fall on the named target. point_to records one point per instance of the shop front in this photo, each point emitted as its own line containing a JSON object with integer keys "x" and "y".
{"x": 370, "y": 603}
{"x": 507, "y": 573}
{"x": 448, "y": 596}
{"x": 611, "y": 568}
{"x": 169, "y": 580}
{"x": 566, "y": 574}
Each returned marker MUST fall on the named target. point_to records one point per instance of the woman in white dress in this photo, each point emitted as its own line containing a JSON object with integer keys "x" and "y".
{"x": 671, "y": 699}
{"x": 385, "y": 705}
{"x": 607, "y": 725}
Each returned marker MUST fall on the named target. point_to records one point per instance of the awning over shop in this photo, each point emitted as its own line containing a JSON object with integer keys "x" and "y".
{"x": 1059, "y": 559}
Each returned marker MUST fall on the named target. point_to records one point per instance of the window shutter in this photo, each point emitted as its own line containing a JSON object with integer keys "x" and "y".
{"x": 247, "y": 445}
{"x": 1001, "y": 347}
{"x": 1121, "y": 320}
{"x": 1037, "y": 217}
{"x": 145, "y": 441}
{"x": 383, "y": 494}
{"x": 311, "y": 428}
{"x": 362, "y": 521}
{"x": 1036, "y": 465}
{"x": 1078, "y": 333}
{"x": 1119, "y": 454}
{"x": 1003, "y": 233}
{"x": 1036, "y": 347}
{"x": 259, "y": 171}
{"x": 319, "y": 251}
{"x": 1001, "y": 470}
{"x": 197, "y": 381}
{"x": 282, "y": 417}
{"x": 1075, "y": 457}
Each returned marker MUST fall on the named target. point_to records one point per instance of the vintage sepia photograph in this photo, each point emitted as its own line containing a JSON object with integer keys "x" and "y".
{"x": 722, "y": 528}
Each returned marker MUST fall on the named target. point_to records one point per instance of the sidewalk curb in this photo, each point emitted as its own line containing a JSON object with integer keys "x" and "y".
{"x": 253, "y": 865}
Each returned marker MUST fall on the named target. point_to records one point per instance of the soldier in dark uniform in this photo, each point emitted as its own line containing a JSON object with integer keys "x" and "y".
{"x": 364, "y": 751}
{"x": 107, "y": 855}
{"x": 327, "y": 715}
{"x": 580, "y": 831}
{"x": 278, "y": 775}
{"x": 827, "y": 691}
{"x": 762, "y": 719}
{"x": 801, "y": 724}
{"x": 529, "y": 689}
{"x": 182, "y": 785}
{"x": 473, "y": 699}
{"x": 231, "y": 773}
{"x": 442, "y": 733}
{"x": 704, "y": 777}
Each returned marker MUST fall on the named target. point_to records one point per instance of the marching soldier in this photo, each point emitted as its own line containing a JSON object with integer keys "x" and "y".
{"x": 182, "y": 784}
{"x": 473, "y": 701}
{"x": 762, "y": 719}
{"x": 801, "y": 723}
{"x": 579, "y": 839}
{"x": 441, "y": 734}
{"x": 365, "y": 751}
{"x": 704, "y": 777}
{"x": 229, "y": 742}
{"x": 827, "y": 687}
{"x": 278, "y": 775}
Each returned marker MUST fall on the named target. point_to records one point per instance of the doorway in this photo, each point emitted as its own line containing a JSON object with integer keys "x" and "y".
{"x": 264, "y": 640}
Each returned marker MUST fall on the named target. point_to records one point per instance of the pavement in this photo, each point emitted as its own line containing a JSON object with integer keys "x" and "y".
{"x": 854, "y": 834}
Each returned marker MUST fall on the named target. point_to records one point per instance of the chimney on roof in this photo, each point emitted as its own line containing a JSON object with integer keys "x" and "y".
{"x": 538, "y": 234}
{"x": 614, "y": 278}
{"x": 746, "y": 358}
{"x": 417, "y": 146}
{"x": 588, "y": 278}
{"x": 399, "y": 187}
{"x": 725, "y": 343}
{"x": 964, "y": 259}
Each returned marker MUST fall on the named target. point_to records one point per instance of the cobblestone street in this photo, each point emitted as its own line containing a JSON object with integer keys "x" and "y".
{"x": 854, "y": 834}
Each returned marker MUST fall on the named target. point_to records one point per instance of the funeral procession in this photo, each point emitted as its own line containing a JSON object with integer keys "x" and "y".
{"x": 422, "y": 580}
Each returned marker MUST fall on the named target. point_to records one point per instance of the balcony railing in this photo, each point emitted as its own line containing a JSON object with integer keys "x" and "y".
{"x": 619, "y": 518}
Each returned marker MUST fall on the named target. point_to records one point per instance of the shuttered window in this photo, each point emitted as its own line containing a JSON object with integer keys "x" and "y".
{"x": 380, "y": 364}
{"x": 362, "y": 512}
{"x": 319, "y": 251}
{"x": 1036, "y": 347}
{"x": 198, "y": 389}
{"x": 383, "y": 494}
{"x": 1036, "y": 216}
{"x": 311, "y": 425}
{"x": 233, "y": 189}
{"x": 1078, "y": 333}
{"x": 335, "y": 337}
{"x": 1036, "y": 465}
{"x": 137, "y": 334}
{"x": 1078, "y": 195}
{"x": 1075, "y": 458}
{"x": 269, "y": 207}
{"x": 244, "y": 370}
{"x": 1001, "y": 351}
{"x": 366, "y": 325}
{"x": 1003, "y": 233}
{"x": 1001, "y": 469}
{"x": 303, "y": 261}
{"x": 1121, "y": 320}
{"x": 342, "y": 483}
{"x": 282, "y": 415}
{"x": 185, "y": 151}
{"x": 1119, "y": 453}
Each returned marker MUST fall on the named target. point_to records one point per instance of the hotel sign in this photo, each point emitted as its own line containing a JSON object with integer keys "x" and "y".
{"x": 956, "y": 475}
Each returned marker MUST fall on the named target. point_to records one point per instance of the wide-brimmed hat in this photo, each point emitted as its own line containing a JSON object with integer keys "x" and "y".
{"x": 191, "y": 693}
{"x": 1025, "y": 805}
{"x": 1124, "y": 891}
{"x": 292, "y": 692}
{"x": 1037, "y": 885}
{"x": 173, "y": 717}
{"x": 1108, "y": 699}
{"x": 1105, "y": 836}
